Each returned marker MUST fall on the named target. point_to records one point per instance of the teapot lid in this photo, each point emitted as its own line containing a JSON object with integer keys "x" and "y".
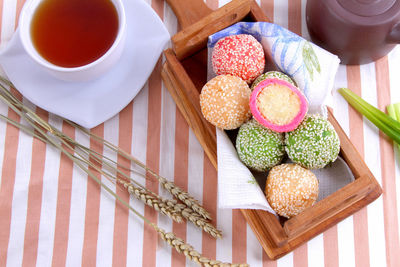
{"x": 367, "y": 8}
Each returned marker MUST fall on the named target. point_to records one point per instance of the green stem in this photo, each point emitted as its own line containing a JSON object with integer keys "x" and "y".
{"x": 386, "y": 124}
{"x": 380, "y": 115}
{"x": 394, "y": 113}
{"x": 397, "y": 110}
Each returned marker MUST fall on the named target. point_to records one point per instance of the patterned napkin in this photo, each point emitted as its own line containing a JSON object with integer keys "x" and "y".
{"x": 314, "y": 70}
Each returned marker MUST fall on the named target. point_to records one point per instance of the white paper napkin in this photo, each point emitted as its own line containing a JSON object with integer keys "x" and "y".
{"x": 237, "y": 187}
{"x": 314, "y": 70}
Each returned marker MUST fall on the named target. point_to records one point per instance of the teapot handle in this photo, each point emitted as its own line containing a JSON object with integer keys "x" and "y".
{"x": 394, "y": 34}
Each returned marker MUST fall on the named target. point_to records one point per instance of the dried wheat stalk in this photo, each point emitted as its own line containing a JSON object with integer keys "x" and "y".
{"x": 50, "y": 135}
{"x": 189, "y": 251}
{"x": 171, "y": 208}
{"x": 197, "y": 220}
{"x": 184, "y": 197}
{"x": 176, "y": 191}
{"x": 168, "y": 207}
{"x": 151, "y": 199}
{"x": 31, "y": 117}
{"x": 164, "y": 206}
{"x": 146, "y": 196}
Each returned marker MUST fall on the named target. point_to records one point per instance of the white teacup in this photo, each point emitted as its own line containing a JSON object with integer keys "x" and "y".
{"x": 82, "y": 73}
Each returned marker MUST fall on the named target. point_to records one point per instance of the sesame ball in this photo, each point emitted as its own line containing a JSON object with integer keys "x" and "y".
{"x": 313, "y": 144}
{"x": 290, "y": 189}
{"x": 239, "y": 55}
{"x": 272, "y": 74}
{"x": 224, "y": 101}
{"x": 259, "y": 148}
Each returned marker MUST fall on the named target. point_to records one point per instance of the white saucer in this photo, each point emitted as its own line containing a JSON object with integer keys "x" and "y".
{"x": 91, "y": 103}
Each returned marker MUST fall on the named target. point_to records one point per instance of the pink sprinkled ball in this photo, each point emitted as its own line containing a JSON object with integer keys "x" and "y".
{"x": 239, "y": 55}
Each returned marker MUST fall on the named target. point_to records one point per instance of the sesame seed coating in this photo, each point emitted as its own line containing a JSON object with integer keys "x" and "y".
{"x": 259, "y": 148}
{"x": 313, "y": 144}
{"x": 290, "y": 189}
{"x": 224, "y": 101}
{"x": 272, "y": 74}
{"x": 239, "y": 55}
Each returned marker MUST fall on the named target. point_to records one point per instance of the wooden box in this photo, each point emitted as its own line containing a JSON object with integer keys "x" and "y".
{"x": 184, "y": 74}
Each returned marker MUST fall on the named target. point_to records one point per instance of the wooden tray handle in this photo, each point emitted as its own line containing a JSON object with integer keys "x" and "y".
{"x": 194, "y": 37}
{"x": 189, "y": 11}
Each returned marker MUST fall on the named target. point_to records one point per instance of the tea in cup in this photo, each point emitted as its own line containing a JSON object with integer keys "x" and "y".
{"x": 75, "y": 40}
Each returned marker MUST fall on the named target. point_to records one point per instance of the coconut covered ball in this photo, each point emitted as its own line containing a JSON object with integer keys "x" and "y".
{"x": 290, "y": 189}
{"x": 224, "y": 101}
{"x": 239, "y": 55}
{"x": 259, "y": 148}
{"x": 272, "y": 74}
{"x": 313, "y": 144}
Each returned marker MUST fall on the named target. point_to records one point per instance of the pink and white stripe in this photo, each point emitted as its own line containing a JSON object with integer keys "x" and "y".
{"x": 51, "y": 214}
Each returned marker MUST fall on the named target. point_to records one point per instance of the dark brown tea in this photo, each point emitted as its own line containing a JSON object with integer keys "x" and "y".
{"x": 73, "y": 33}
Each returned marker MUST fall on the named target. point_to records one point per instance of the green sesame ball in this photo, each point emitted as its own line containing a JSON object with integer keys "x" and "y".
{"x": 259, "y": 148}
{"x": 272, "y": 74}
{"x": 313, "y": 144}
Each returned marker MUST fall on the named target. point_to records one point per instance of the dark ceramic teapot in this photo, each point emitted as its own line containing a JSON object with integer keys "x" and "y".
{"x": 358, "y": 31}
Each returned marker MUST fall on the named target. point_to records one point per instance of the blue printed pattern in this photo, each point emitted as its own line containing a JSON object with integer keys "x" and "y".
{"x": 291, "y": 53}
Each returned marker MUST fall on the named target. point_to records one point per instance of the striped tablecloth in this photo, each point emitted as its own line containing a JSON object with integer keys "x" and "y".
{"x": 51, "y": 214}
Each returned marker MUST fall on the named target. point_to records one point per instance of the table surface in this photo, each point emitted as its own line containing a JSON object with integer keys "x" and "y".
{"x": 52, "y": 214}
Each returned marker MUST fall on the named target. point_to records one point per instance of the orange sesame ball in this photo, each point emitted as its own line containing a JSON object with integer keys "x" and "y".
{"x": 224, "y": 101}
{"x": 290, "y": 189}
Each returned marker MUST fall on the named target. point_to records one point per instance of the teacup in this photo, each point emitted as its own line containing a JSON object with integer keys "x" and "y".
{"x": 89, "y": 70}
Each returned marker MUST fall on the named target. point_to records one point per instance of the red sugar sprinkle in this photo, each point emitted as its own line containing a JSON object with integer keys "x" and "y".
{"x": 239, "y": 55}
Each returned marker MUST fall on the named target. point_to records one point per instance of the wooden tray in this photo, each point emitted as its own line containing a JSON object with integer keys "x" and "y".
{"x": 184, "y": 74}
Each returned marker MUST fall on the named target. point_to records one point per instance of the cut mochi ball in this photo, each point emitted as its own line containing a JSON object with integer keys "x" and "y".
{"x": 278, "y": 105}
{"x": 239, "y": 55}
